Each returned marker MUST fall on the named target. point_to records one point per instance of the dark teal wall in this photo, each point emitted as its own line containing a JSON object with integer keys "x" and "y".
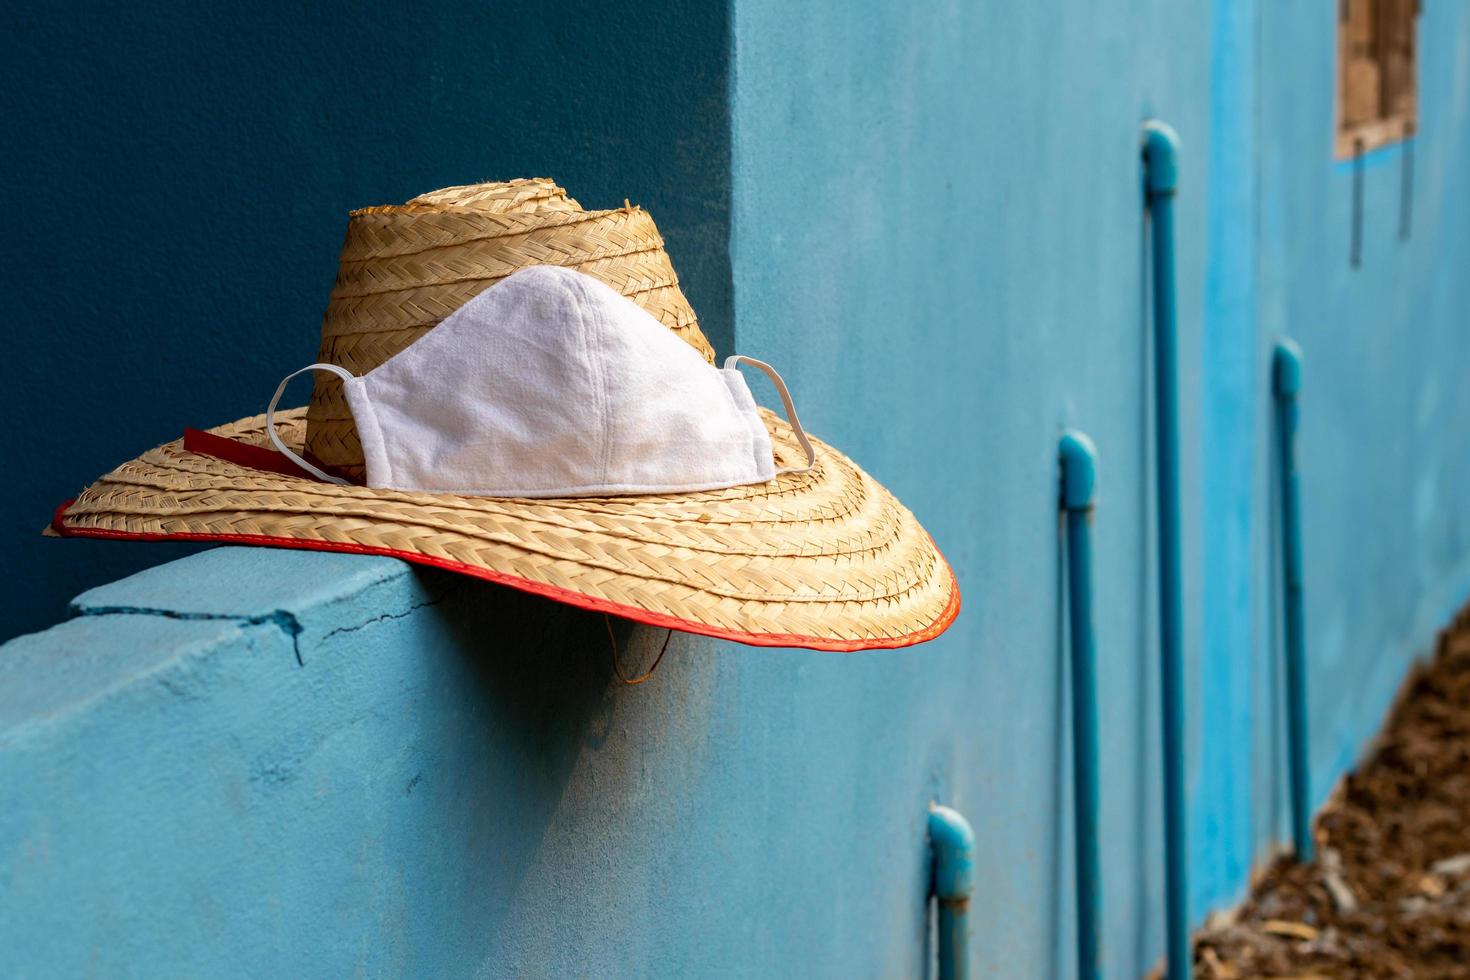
{"x": 178, "y": 177}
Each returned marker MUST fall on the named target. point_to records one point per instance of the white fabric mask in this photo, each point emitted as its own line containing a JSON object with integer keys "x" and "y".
{"x": 551, "y": 384}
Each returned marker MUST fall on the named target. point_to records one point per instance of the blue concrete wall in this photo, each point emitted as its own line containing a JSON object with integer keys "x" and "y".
{"x": 939, "y": 241}
{"x": 1386, "y": 410}
{"x": 1233, "y": 433}
{"x": 255, "y": 762}
{"x": 267, "y": 763}
{"x": 180, "y": 176}
{"x": 1386, "y": 519}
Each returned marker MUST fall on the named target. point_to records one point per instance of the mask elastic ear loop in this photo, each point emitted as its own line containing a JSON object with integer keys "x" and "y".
{"x": 811, "y": 454}
{"x": 270, "y": 422}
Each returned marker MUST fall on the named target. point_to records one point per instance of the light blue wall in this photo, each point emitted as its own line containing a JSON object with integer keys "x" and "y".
{"x": 269, "y": 763}
{"x": 1386, "y": 407}
{"x": 936, "y": 228}
{"x": 1385, "y": 414}
{"x": 265, "y": 763}
{"x": 1234, "y": 414}
{"x": 929, "y": 219}
{"x": 938, "y": 237}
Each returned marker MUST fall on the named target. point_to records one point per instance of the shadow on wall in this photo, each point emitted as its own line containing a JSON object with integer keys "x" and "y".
{"x": 553, "y": 766}
{"x": 432, "y": 760}
{"x": 520, "y": 747}
{"x": 196, "y": 165}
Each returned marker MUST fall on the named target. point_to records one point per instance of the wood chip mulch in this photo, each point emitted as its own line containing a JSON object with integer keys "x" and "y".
{"x": 1389, "y": 893}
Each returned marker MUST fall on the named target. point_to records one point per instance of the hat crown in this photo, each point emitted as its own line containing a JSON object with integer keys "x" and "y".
{"x": 404, "y": 268}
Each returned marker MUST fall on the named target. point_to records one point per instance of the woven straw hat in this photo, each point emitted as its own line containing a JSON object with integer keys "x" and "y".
{"x": 825, "y": 559}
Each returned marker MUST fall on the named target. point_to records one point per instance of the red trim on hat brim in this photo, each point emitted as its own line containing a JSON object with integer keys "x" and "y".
{"x": 567, "y": 596}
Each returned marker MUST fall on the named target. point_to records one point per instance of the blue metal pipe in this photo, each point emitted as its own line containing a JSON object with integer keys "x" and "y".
{"x": 1079, "y": 476}
{"x": 952, "y": 843}
{"x": 1161, "y": 178}
{"x": 1286, "y": 381}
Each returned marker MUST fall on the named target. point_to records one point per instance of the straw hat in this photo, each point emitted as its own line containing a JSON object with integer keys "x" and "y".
{"x": 825, "y": 559}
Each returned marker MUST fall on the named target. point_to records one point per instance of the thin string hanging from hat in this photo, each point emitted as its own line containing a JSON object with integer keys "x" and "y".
{"x": 618, "y": 667}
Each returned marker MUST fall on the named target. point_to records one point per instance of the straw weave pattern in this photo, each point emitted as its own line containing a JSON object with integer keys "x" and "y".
{"x": 827, "y": 554}
{"x": 404, "y": 268}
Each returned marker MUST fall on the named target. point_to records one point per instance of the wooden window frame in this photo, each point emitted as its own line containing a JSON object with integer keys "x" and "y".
{"x": 1352, "y": 139}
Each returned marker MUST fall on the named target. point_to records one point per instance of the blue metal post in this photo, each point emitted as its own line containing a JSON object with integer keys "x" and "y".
{"x": 952, "y": 843}
{"x": 1161, "y": 169}
{"x": 1287, "y": 378}
{"x": 1079, "y": 476}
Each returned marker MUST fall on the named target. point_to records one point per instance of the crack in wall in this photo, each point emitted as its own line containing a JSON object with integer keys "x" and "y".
{"x": 386, "y": 617}
{"x": 281, "y": 619}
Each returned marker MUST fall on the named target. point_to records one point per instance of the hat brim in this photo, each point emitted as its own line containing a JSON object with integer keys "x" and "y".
{"x": 826, "y": 560}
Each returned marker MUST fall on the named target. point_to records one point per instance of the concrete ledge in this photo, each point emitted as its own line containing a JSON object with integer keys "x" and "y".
{"x": 269, "y": 763}
{"x": 308, "y": 597}
{"x": 185, "y": 789}
{"x": 160, "y": 622}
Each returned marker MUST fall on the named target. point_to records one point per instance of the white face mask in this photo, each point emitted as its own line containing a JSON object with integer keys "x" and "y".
{"x": 551, "y": 384}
